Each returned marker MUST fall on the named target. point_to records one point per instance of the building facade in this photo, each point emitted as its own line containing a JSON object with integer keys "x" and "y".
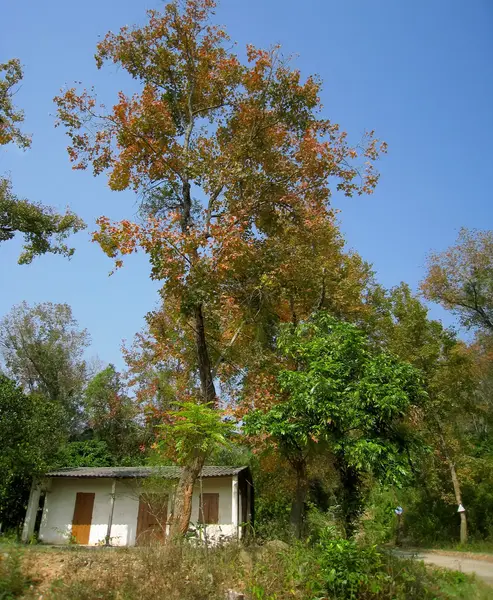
{"x": 127, "y": 506}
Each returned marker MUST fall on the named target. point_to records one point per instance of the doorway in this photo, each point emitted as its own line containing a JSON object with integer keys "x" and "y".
{"x": 81, "y": 522}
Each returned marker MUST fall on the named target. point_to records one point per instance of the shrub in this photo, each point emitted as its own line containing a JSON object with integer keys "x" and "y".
{"x": 13, "y": 582}
{"x": 348, "y": 568}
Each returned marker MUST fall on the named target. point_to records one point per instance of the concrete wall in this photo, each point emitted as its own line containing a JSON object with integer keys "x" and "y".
{"x": 56, "y": 524}
{"x": 221, "y": 486}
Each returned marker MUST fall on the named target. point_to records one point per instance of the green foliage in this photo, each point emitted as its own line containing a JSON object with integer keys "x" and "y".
{"x": 272, "y": 517}
{"x": 347, "y": 568}
{"x": 341, "y": 393}
{"x": 86, "y": 453}
{"x": 379, "y": 522}
{"x": 43, "y": 350}
{"x": 30, "y": 430}
{"x": 461, "y": 279}
{"x": 431, "y": 517}
{"x": 44, "y": 230}
{"x": 344, "y": 399}
{"x": 111, "y": 415}
{"x": 233, "y": 454}
{"x": 191, "y": 429}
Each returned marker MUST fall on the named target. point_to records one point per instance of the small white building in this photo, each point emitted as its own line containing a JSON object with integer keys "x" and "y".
{"x": 127, "y": 506}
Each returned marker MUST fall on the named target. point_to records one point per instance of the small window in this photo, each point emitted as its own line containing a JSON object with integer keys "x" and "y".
{"x": 209, "y": 509}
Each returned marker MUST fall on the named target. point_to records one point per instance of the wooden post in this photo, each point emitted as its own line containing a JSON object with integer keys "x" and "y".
{"x": 32, "y": 509}
{"x": 110, "y": 517}
{"x": 234, "y": 503}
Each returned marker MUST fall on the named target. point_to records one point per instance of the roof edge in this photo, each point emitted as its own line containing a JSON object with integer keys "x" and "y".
{"x": 167, "y": 472}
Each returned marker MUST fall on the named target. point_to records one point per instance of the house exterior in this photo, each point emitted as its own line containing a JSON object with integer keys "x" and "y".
{"x": 127, "y": 506}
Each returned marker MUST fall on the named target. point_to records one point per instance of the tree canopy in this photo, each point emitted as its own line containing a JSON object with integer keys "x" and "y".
{"x": 44, "y": 230}
{"x": 233, "y": 160}
{"x": 461, "y": 279}
{"x": 338, "y": 394}
{"x": 42, "y": 347}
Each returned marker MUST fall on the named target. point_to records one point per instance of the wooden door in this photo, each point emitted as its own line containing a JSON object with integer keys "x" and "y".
{"x": 209, "y": 509}
{"x": 81, "y": 523}
{"x": 151, "y": 520}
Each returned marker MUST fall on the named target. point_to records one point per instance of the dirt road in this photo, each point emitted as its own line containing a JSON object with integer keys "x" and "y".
{"x": 483, "y": 568}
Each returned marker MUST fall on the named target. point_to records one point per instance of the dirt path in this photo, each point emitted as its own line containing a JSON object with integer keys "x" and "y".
{"x": 482, "y": 567}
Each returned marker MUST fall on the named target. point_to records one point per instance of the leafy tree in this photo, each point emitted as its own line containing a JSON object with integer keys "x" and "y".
{"x": 351, "y": 402}
{"x": 86, "y": 453}
{"x": 31, "y": 436}
{"x": 190, "y": 431}
{"x": 461, "y": 279}
{"x": 42, "y": 348}
{"x": 403, "y": 327}
{"x": 111, "y": 415}
{"x": 44, "y": 230}
{"x": 233, "y": 161}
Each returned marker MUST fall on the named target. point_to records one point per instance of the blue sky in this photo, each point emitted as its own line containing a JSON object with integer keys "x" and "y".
{"x": 420, "y": 73}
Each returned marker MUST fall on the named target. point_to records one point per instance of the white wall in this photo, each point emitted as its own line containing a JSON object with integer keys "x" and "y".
{"x": 221, "y": 486}
{"x": 125, "y": 513}
{"x": 56, "y": 524}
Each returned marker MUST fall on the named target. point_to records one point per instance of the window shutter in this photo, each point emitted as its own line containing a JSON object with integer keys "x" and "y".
{"x": 209, "y": 509}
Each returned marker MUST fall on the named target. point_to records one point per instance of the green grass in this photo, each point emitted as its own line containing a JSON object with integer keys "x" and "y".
{"x": 457, "y": 585}
{"x": 479, "y": 547}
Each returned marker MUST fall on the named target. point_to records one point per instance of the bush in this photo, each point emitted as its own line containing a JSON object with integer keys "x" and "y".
{"x": 272, "y": 518}
{"x": 348, "y": 569}
{"x": 13, "y": 582}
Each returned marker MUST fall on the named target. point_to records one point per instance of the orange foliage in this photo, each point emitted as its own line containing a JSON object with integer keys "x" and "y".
{"x": 245, "y": 233}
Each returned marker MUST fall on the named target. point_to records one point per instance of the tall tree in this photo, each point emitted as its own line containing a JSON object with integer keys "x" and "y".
{"x": 43, "y": 350}
{"x": 233, "y": 161}
{"x": 345, "y": 398}
{"x": 403, "y": 327}
{"x": 461, "y": 279}
{"x": 44, "y": 230}
{"x": 31, "y": 434}
{"x": 111, "y": 414}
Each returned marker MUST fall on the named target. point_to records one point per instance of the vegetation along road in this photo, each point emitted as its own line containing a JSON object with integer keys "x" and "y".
{"x": 481, "y": 566}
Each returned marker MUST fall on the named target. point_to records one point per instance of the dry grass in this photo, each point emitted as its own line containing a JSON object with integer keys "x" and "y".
{"x": 272, "y": 572}
{"x": 171, "y": 572}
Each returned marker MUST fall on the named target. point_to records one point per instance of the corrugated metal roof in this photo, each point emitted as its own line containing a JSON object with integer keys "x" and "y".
{"x": 139, "y": 472}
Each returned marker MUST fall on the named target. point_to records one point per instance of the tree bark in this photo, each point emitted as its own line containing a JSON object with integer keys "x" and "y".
{"x": 350, "y": 496}
{"x": 456, "y": 484}
{"x": 182, "y": 511}
{"x": 458, "y": 499}
{"x": 203, "y": 360}
{"x": 297, "y": 515}
{"x": 184, "y": 492}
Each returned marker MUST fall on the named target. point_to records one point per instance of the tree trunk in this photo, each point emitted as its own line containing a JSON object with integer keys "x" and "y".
{"x": 203, "y": 360}
{"x": 190, "y": 472}
{"x": 456, "y": 484}
{"x": 350, "y": 496}
{"x": 297, "y": 515}
{"x": 180, "y": 520}
{"x": 458, "y": 499}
